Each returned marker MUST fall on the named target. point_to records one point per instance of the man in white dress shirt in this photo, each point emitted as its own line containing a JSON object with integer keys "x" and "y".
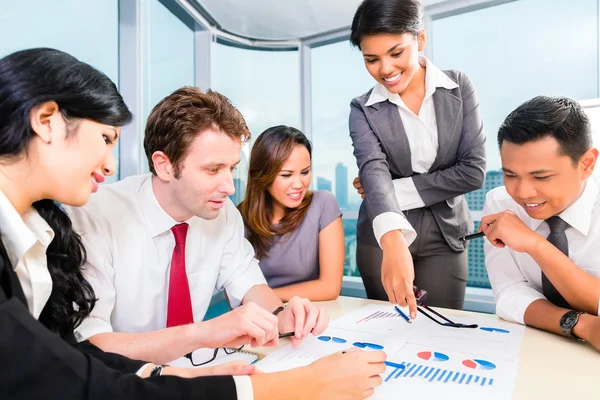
{"x": 159, "y": 244}
{"x": 543, "y": 226}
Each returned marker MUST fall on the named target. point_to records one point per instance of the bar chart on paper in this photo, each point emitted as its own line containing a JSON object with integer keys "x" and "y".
{"x": 381, "y": 320}
{"x": 437, "y": 374}
{"x": 431, "y": 373}
{"x": 378, "y": 315}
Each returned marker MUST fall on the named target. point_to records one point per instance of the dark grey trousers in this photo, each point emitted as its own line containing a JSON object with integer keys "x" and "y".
{"x": 438, "y": 269}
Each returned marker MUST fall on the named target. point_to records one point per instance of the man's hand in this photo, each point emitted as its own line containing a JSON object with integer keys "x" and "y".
{"x": 352, "y": 374}
{"x": 303, "y": 318}
{"x": 358, "y": 187}
{"x": 247, "y": 324}
{"x": 397, "y": 271}
{"x": 506, "y": 229}
{"x": 588, "y": 329}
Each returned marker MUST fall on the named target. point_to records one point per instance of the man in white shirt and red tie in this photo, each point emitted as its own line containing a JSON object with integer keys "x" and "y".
{"x": 159, "y": 244}
{"x": 543, "y": 226}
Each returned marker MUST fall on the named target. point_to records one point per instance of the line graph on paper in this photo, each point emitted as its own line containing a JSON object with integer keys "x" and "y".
{"x": 378, "y": 316}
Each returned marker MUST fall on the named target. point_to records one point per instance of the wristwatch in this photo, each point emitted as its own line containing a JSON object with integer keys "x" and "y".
{"x": 279, "y": 309}
{"x": 568, "y": 322}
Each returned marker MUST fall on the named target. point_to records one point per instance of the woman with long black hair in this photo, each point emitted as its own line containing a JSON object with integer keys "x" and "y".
{"x": 59, "y": 120}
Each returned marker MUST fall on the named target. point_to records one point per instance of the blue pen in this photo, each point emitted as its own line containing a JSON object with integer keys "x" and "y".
{"x": 394, "y": 365}
{"x": 403, "y": 315}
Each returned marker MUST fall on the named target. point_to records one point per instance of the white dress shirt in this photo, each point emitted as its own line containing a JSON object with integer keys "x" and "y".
{"x": 421, "y": 131}
{"x": 26, "y": 239}
{"x": 129, "y": 246}
{"x": 515, "y": 277}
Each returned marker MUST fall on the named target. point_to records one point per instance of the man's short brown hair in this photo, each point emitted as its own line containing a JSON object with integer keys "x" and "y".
{"x": 183, "y": 115}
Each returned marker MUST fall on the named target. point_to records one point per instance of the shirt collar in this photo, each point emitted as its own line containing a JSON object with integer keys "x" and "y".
{"x": 157, "y": 219}
{"x": 20, "y": 233}
{"x": 434, "y": 78}
{"x": 579, "y": 213}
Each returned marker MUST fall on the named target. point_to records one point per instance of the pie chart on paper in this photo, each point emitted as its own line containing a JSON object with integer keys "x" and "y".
{"x": 479, "y": 364}
{"x": 433, "y": 356}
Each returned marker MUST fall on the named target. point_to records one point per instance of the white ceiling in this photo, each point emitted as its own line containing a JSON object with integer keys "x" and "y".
{"x": 283, "y": 19}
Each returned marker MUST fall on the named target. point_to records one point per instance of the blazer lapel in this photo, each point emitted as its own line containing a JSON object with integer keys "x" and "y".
{"x": 388, "y": 126}
{"x": 447, "y": 110}
{"x": 9, "y": 282}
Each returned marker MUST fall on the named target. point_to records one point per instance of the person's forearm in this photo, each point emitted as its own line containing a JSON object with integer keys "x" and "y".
{"x": 580, "y": 289}
{"x": 317, "y": 290}
{"x": 544, "y": 315}
{"x": 283, "y": 385}
{"x": 159, "y": 347}
{"x": 264, "y": 296}
{"x": 392, "y": 239}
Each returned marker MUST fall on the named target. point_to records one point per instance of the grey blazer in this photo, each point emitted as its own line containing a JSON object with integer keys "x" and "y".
{"x": 382, "y": 153}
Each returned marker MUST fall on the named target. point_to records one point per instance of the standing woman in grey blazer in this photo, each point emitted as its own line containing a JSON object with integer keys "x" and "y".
{"x": 419, "y": 144}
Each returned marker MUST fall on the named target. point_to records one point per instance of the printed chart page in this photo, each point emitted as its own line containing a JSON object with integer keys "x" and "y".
{"x": 490, "y": 339}
{"x": 381, "y": 319}
{"x": 331, "y": 341}
{"x": 431, "y": 373}
{"x": 495, "y": 339}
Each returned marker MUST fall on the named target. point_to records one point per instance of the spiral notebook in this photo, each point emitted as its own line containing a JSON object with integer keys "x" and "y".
{"x": 203, "y": 355}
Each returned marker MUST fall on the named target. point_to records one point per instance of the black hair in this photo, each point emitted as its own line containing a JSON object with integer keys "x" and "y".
{"x": 29, "y": 78}
{"x": 558, "y": 117}
{"x": 375, "y": 17}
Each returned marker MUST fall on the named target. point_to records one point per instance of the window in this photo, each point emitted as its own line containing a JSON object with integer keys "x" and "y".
{"x": 338, "y": 75}
{"x": 264, "y": 86}
{"x": 68, "y": 25}
{"x": 513, "y": 52}
{"x": 168, "y": 58}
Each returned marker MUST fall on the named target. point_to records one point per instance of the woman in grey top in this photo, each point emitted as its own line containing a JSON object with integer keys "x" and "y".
{"x": 297, "y": 233}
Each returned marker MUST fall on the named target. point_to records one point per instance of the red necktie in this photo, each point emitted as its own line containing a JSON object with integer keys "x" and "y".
{"x": 179, "y": 310}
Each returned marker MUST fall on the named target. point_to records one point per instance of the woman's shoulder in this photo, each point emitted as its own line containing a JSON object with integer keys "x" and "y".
{"x": 362, "y": 99}
{"x": 324, "y": 204}
{"x": 322, "y": 197}
{"x": 459, "y": 77}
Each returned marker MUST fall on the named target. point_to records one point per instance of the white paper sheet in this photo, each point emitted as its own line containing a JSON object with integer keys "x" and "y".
{"x": 496, "y": 339}
{"x": 433, "y": 373}
{"x": 331, "y": 341}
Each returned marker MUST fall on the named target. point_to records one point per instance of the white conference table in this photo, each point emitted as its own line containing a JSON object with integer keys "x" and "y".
{"x": 550, "y": 366}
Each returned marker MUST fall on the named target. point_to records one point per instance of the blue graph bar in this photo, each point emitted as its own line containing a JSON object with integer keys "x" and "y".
{"x": 482, "y": 381}
{"x": 429, "y": 373}
{"x": 448, "y": 377}
{"x": 462, "y": 378}
{"x": 392, "y": 374}
{"x": 437, "y": 371}
{"x": 455, "y": 376}
{"x": 491, "y": 381}
{"x": 423, "y": 371}
{"x": 468, "y": 380}
{"x": 442, "y": 375}
{"x": 476, "y": 379}
{"x": 408, "y": 371}
{"x": 416, "y": 370}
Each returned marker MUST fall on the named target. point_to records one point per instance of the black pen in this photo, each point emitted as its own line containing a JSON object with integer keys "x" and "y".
{"x": 473, "y": 236}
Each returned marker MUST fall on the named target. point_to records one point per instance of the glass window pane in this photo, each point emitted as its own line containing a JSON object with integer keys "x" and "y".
{"x": 169, "y": 58}
{"x": 338, "y": 75}
{"x": 67, "y": 25}
{"x": 264, "y": 86}
{"x": 513, "y": 52}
